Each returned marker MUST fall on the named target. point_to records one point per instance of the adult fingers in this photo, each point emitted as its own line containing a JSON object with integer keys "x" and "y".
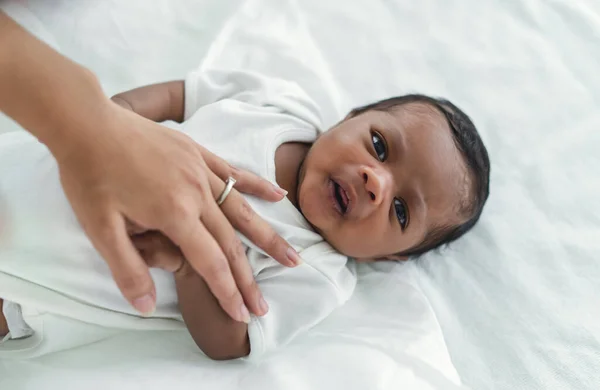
{"x": 223, "y": 232}
{"x": 108, "y": 234}
{"x": 206, "y": 257}
{"x": 246, "y": 182}
{"x": 249, "y": 183}
{"x": 257, "y": 230}
{"x": 158, "y": 251}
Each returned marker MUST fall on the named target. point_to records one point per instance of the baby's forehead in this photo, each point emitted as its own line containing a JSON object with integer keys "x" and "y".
{"x": 421, "y": 128}
{"x": 416, "y": 115}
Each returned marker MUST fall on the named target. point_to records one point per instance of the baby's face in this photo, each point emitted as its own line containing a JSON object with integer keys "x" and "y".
{"x": 376, "y": 184}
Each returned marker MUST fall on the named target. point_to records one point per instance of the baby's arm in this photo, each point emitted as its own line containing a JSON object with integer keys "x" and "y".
{"x": 157, "y": 102}
{"x": 3, "y": 323}
{"x": 213, "y": 330}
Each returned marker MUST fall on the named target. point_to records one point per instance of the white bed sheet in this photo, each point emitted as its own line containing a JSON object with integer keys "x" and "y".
{"x": 516, "y": 301}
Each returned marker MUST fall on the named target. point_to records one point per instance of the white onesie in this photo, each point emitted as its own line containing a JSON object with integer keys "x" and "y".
{"x": 66, "y": 292}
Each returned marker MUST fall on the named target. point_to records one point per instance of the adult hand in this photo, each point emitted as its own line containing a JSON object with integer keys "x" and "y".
{"x": 116, "y": 166}
{"x": 131, "y": 169}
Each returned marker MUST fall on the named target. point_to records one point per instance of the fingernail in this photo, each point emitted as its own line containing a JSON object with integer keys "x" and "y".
{"x": 280, "y": 191}
{"x": 263, "y": 306}
{"x": 244, "y": 314}
{"x": 144, "y": 305}
{"x": 293, "y": 256}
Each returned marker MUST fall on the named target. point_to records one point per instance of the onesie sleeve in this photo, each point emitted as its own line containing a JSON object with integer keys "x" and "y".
{"x": 299, "y": 298}
{"x": 210, "y": 86}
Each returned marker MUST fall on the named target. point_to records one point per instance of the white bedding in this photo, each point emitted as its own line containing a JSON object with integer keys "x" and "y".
{"x": 513, "y": 306}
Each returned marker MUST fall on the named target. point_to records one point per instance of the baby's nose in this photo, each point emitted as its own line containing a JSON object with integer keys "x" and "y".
{"x": 377, "y": 183}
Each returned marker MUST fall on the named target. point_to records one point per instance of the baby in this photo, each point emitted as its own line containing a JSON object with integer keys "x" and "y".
{"x": 392, "y": 180}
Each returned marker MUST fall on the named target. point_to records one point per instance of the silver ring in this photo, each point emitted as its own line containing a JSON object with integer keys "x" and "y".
{"x": 228, "y": 186}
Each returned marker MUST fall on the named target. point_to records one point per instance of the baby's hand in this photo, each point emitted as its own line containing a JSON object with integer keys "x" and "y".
{"x": 158, "y": 251}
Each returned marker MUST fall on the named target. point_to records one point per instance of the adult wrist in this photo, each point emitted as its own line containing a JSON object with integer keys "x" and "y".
{"x": 72, "y": 125}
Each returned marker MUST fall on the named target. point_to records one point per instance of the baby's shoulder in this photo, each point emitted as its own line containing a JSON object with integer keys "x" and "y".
{"x": 255, "y": 92}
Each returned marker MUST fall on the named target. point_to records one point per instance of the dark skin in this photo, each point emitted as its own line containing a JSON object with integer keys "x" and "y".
{"x": 213, "y": 330}
{"x": 3, "y": 324}
{"x": 372, "y": 186}
{"x": 400, "y": 173}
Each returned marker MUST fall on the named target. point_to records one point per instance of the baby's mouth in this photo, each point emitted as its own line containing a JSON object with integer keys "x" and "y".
{"x": 341, "y": 197}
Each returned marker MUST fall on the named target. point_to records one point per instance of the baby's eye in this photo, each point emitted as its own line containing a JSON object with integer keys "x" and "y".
{"x": 400, "y": 209}
{"x": 379, "y": 145}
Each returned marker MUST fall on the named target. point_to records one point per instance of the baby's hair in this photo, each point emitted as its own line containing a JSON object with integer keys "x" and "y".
{"x": 473, "y": 150}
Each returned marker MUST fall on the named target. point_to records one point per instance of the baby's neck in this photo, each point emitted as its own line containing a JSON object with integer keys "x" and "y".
{"x": 288, "y": 159}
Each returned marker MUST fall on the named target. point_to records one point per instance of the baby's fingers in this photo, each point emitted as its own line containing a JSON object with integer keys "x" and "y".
{"x": 158, "y": 251}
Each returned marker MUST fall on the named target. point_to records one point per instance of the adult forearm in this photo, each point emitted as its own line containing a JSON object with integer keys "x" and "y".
{"x": 46, "y": 93}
